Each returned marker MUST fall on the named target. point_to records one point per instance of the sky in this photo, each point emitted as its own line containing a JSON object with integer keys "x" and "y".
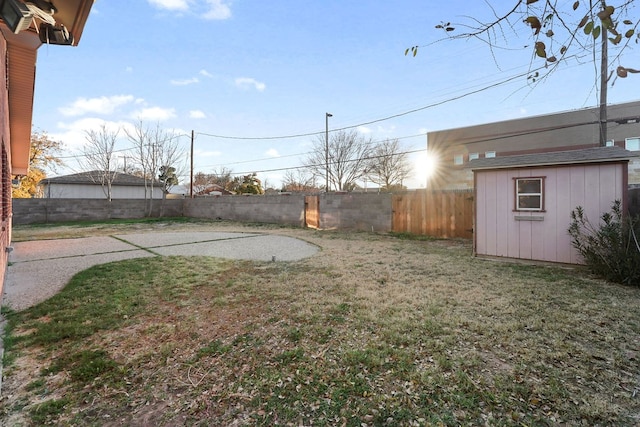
{"x": 248, "y": 76}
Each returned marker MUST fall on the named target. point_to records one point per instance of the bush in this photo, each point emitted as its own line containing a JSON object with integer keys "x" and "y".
{"x": 611, "y": 248}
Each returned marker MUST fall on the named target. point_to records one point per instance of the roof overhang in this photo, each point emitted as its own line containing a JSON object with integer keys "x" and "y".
{"x": 73, "y": 15}
{"x": 22, "y": 54}
{"x": 556, "y": 158}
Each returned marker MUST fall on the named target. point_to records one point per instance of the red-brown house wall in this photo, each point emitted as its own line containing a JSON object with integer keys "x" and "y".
{"x": 5, "y": 167}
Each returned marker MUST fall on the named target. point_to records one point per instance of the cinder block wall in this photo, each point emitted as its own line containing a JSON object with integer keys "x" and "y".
{"x": 356, "y": 211}
{"x": 42, "y": 211}
{"x": 348, "y": 211}
{"x": 276, "y": 209}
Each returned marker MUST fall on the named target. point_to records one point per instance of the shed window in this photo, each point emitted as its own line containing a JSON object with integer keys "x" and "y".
{"x": 529, "y": 194}
{"x": 490, "y": 154}
{"x": 458, "y": 159}
{"x": 474, "y": 156}
{"x": 632, "y": 144}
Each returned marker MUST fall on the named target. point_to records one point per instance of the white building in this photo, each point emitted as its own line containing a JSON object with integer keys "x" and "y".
{"x": 88, "y": 185}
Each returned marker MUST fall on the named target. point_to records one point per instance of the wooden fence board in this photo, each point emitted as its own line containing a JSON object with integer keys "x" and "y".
{"x": 444, "y": 214}
{"x": 312, "y": 211}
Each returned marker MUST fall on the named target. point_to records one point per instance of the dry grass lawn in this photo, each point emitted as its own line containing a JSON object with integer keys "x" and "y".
{"x": 373, "y": 330}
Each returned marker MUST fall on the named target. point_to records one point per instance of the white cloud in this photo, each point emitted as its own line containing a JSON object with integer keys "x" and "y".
{"x": 181, "y": 5}
{"x": 197, "y": 114}
{"x": 247, "y": 82}
{"x": 363, "y": 129}
{"x": 73, "y": 135}
{"x": 154, "y": 114}
{"x": 185, "y": 82}
{"x": 205, "y": 73}
{"x": 101, "y": 105}
{"x": 206, "y": 9}
{"x": 129, "y": 69}
{"x": 217, "y": 10}
{"x": 272, "y": 152}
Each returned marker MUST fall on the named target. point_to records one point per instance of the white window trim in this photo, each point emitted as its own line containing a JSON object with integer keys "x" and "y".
{"x": 458, "y": 159}
{"x": 473, "y": 156}
{"x": 489, "y": 154}
{"x": 634, "y": 139}
{"x": 540, "y": 194}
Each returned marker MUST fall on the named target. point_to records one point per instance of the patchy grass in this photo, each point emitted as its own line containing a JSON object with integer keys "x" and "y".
{"x": 374, "y": 330}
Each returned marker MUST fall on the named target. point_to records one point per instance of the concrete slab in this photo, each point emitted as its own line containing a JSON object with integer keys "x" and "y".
{"x": 256, "y": 247}
{"x": 154, "y": 240}
{"x": 39, "y": 269}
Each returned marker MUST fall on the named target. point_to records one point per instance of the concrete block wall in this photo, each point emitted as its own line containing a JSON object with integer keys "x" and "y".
{"x": 356, "y": 211}
{"x": 343, "y": 211}
{"x": 277, "y": 209}
{"x": 41, "y": 211}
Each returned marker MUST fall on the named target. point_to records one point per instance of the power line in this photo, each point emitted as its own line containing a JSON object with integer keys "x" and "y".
{"x": 309, "y": 152}
{"x": 393, "y": 116}
{"x": 323, "y": 164}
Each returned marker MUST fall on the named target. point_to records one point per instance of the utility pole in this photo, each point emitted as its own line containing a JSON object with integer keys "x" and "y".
{"x": 326, "y": 148}
{"x": 604, "y": 70}
{"x": 191, "y": 178}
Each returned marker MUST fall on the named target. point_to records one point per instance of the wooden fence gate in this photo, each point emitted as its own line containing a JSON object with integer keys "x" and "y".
{"x": 312, "y": 211}
{"x": 443, "y": 214}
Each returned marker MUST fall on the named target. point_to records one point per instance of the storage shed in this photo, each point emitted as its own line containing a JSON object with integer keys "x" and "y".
{"x": 523, "y": 203}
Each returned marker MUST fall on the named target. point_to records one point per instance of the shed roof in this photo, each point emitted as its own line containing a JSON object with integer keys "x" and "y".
{"x": 589, "y": 155}
{"x": 93, "y": 177}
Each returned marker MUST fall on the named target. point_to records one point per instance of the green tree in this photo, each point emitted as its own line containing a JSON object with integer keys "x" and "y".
{"x": 167, "y": 178}
{"x": 250, "y": 185}
{"x": 42, "y": 155}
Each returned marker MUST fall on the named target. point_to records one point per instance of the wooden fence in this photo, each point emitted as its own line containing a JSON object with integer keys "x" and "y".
{"x": 444, "y": 214}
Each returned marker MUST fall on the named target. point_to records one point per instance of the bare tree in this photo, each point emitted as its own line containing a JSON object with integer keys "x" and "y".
{"x": 154, "y": 148}
{"x": 203, "y": 182}
{"x": 388, "y": 165}
{"x": 98, "y": 155}
{"x": 222, "y": 177}
{"x": 348, "y": 153}
{"x": 299, "y": 181}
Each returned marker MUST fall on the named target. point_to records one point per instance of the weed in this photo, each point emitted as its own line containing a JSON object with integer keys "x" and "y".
{"x": 215, "y": 348}
{"x": 294, "y": 335}
{"x": 35, "y": 385}
{"x": 290, "y": 356}
{"x": 48, "y": 411}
